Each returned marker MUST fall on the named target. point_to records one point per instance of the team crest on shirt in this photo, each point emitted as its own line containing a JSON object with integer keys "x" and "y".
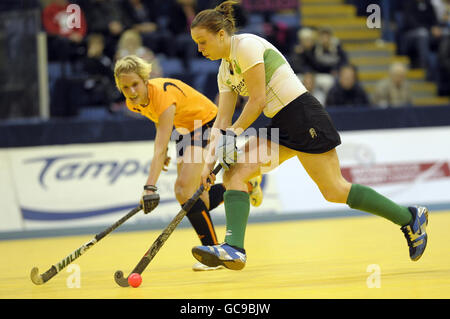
{"x": 237, "y": 67}
{"x": 236, "y": 75}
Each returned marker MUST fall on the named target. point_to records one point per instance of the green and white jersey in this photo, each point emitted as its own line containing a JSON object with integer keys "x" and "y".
{"x": 247, "y": 50}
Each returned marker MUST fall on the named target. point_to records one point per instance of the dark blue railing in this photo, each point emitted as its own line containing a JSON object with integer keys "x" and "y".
{"x": 67, "y": 131}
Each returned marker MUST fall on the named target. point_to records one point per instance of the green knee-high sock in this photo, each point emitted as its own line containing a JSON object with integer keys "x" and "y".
{"x": 237, "y": 209}
{"x": 366, "y": 199}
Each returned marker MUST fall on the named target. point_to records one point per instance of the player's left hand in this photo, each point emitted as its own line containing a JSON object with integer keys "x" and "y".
{"x": 207, "y": 179}
{"x": 166, "y": 161}
{"x": 226, "y": 151}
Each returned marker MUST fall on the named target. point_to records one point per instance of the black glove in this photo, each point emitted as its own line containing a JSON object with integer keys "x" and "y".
{"x": 150, "y": 201}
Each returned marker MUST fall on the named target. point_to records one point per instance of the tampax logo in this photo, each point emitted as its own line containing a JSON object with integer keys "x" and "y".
{"x": 83, "y": 166}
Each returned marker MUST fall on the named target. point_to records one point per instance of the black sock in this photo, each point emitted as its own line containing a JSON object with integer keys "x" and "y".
{"x": 216, "y": 195}
{"x": 200, "y": 219}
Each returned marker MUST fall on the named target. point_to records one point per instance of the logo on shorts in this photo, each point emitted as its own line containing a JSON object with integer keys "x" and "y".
{"x": 312, "y": 132}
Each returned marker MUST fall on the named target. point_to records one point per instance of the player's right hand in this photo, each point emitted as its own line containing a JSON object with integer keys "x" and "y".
{"x": 150, "y": 198}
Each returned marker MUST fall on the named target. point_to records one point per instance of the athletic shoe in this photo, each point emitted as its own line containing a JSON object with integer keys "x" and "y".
{"x": 415, "y": 232}
{"x": 220, "y": 255}
{"x": 202, "y": 267}
{"x": 255, "y": 191}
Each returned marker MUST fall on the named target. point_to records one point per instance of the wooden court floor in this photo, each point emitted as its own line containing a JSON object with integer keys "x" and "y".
{"x": 354, "y": 257}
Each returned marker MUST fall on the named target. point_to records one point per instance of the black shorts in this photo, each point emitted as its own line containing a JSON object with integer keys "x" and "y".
{"x": 198, "y": 137}
{"x": 304, "y": 125}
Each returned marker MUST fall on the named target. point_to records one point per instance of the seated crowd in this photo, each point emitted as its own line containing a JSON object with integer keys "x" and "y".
{"x": 158, "y": 31}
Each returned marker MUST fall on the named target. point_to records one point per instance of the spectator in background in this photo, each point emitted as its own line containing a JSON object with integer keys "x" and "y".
{"x": 19, "y": 5}
{"x": 310, "y": 83}
{"x": 106, "y": 17}
{"x": 142, "y": 16}
{"x": 276, "y": 32}
{"x": 442, "y": 10}
{"x": 420, "y": 33}
{"x": 93, "y": 86}
{"x": 65, "y": 40}
{"x": 303, "y": 59}
{"x": 328, "y": 53}
{"x": 444, "y": 66}
{"x": 96, "y": 61}
{"x": 347, "y": 91}
{"x": 130, "y": 43}
{"x": 98, "y": 85}
{"x": 181, "y": 14}
{"x": 393, "y": 91}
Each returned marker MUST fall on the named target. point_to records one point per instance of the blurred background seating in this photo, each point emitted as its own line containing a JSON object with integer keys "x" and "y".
{"x": 318, "y": 37}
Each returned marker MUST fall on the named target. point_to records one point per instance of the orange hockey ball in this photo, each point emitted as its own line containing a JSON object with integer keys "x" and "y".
{"x": 135, "y": 280}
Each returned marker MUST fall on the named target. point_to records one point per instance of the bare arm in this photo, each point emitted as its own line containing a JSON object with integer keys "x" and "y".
{"x": 255, "y": 81}
{"x": 227, "y": 104}
{"x": 163, "y": 133}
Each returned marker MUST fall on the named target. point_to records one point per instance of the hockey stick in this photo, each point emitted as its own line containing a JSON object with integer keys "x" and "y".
{"x": 38, "y": 279}
{"x": 159, "y": 242}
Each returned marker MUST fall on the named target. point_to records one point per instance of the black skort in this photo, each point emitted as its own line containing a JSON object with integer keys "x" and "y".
{"x": 304, "y": 125}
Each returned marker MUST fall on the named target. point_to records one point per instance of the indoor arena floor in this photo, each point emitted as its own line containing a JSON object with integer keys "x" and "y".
{"x": 352, "y": 257}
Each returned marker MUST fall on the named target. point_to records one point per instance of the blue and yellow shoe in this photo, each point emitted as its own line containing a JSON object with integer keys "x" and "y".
{"x": 255, "y": 191}
{"x": 415, "y": 232}
{"x": 220, "y": 255}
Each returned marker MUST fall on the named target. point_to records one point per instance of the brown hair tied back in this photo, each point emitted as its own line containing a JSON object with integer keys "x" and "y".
{"x": 221, "y": 17}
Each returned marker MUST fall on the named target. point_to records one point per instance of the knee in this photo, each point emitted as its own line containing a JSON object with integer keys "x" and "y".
{"x": 236, "y": 178}
{"x": 231, "y": 177}
{"x": 335, "y": 193}
{"x": 182, "y": 190}
{"x": 227, "y": 177}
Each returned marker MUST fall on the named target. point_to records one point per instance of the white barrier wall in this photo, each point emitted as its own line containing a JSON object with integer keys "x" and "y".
{"x": 85, "y": 185}
{"x": 10, "y": 216}
{"x": 410, "y": 166}
{"x": 95, "y": 184}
